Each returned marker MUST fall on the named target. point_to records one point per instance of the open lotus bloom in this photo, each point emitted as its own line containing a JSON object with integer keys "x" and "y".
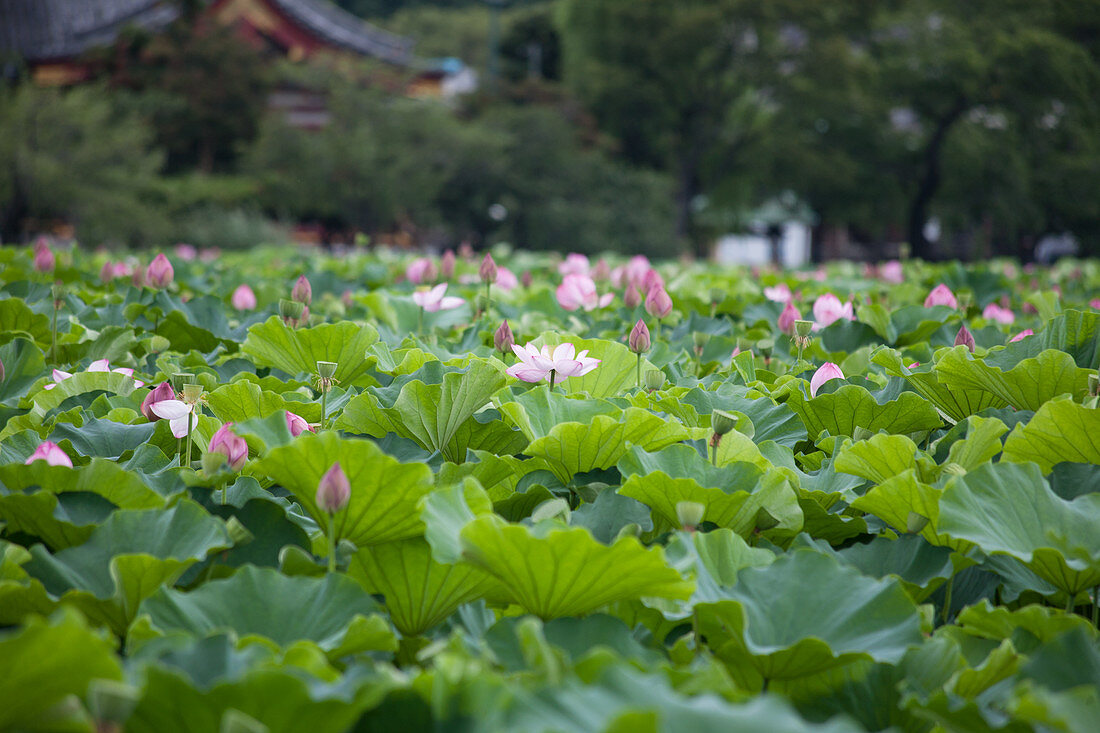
{"x": 828, "y": 309}
{"x": 176, "y": 412}
{"x": 941, "y": 295}
{"x": 824, "y": 373}
{"x": 99, "y": 365}
{"x": 420, "y": 270}
{"x": 780, "y": 293}
{"x": 633, "y": 272}
{"x": 536, "y": 364}
{"x": 51, "y": 453}
{"x": 579, "y": 291}
{"x": 435, "y": 299}
{"x": 574, "y": 264}
{"x": 994, "y": 312}
{"x": 891, "y": 272}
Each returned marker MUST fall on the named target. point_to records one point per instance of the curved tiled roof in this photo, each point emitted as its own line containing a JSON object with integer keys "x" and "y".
{"x": 344, "y": 29}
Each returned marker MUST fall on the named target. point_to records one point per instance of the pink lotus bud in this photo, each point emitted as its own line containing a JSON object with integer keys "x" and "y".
{"x": 631, "y": 297}
{"x": 488, "y": 270}
{"x": 161, "y": 392}
{"x": 44, "y": 260}
{"x": 914, "y": 365}
{"x": 824, "y": 373}
{"x": 447, "y": 264}
{"x": 243, "y": 299}
{"x": 503, "y": 339}
{"x": 296, "y": 424}
{"x": 1095, "y": 304}
{"x": 652, "y": 279}
{"x": 526, "y": 279}
{"x": 941, "y": 295}
{"x": 601, "y": 271}
{"x": 465, "y": 251}
{"x": 657, "y": 302}
{"x": 420, "y": 270}
{"x": 334, "y": 491}
{"x": 994, "y": 312}
{"x": 230, "y": 445}
{"x": 639, "y": 337}
{"x": 828, "y": 309}
{"x": 302, "y": 292}
{"x": 506, "y": 279}
{"x": 891, "y": 272}
{"x": 160, "y": 272}
{"x": 1022, "y": 335}
{"x": 964, "y": 338}
{"x": 137, "y": 277}
{"x": 51, "y": 453}
{"x": 107, "y": 272}
{"x": 1031, "y": 310}
{"x": 787, "y": 318}
{"x": 186, "y": 252}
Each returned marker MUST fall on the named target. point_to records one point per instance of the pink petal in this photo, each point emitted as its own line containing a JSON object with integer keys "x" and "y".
{"x": 99, "y": 365}
{"x": 170, "y": 409}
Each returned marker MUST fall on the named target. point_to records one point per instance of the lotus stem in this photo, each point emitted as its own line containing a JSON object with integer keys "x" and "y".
{"x": 331, "y": 542}
{"x": 947, "y": 599}
{"x": 553, "y": 376}
{"x": 488, "y": 300}
{"x": 420, "y": 322}
{"x": 190, "y": 416}
{"x": 638, "y": 371}
{"x": 1069, "y": 603}
{"x": 1096, "y": 605}
{"x": 324, "y": 404}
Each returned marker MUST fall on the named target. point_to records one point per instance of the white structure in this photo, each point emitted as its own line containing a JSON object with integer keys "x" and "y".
{"x": 756, "y": 249}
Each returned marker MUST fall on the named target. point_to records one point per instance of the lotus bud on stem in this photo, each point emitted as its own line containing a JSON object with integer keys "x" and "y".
{"x": 965, "y": 338}
{"x": 326, "y": 377}
{"x": 639, "y": 342}
{"x": 488, "y": 274}
{"x": 503, "y": 339}
{"x": 333, "y": 494}
{"x": 699, "y": 341}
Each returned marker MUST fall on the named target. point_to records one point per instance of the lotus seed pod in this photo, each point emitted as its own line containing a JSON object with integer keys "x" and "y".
{"x": 654, "y": 379}
{"x": 690, "y": 513}
{"x": 803, "y": 328}
{"x": 721, "y": 422}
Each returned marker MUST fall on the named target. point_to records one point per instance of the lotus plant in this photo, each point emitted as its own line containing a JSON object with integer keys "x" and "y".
{"x": 780, "y": 293}
{"x": 788, "y": 317}
{"x": 434, "y": 300}
{"x": 639, "y": 343}
{"x": 51, "y": 453}
{"x": 243, "y": 299}
{"x": 420, "y": 270}
{"x": 574, "y": 264}
{"x": 658, "y": 304}
{"x": 941, "y": 295}
{"x": 503, "y": 339}
{"x": 296, "y": 424}
{"x": 230, "y": 445}
{"x": 99, "y": 365}
{"x": 159, "y": 273}
{"x": 965, "y": 338}
{"x": 488, "y": 273}
{"x": 828, "y": 310}
{"x": 326, "y": 378}
{"x": 446, "y": 265}
{"x": 536, "y": 364}
{"x": 160, "y": 393}
{"x": 302, "y": 292}
{"x": 333, "y": 494}
{"x": 579, "y": 291}
{"x": 994, "y": 312}
{"x": 1021, "y": 335}
{"x": 824, "y": 373}
{"x": 44, "y": 260}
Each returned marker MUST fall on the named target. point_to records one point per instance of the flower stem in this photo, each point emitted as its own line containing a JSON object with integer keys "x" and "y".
{"x": 553, "y": 376}
{"x": 420, "y": 321}
{"x": 1069, "y": 603}
{"x": 947, "y": 598}
{"x": 488, "y": 301}
{"x": 638, "y": 371}
{"x": 324, "y": 402}
{"x": 331, "y": 542}
{"x": 190, "y": 415}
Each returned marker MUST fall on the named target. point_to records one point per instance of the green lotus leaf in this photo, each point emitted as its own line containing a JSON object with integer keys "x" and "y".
{"x": 334, "y": 612}
{"x": 80, "y": 383}
{"x": 439, "y": 417}
{"x": 713, "y": 559}
{"x": 106, "y": 478}
{"x": 806, "y": 613}
{"x": 24, "y": 364}
{"x": 399, "y": 361}
{"x": 384, "y": 491}
{"x": 296, "y": 351}
{"x": 609, "y": 513}
{"x": 46, "y": 661}
{"x": 1009, "y": 509}
{"x": 447, "y": 511}
{"x": 1061, "y": 430}
{"x": 126, "y": 559}
{"x": 214, "y": 686}
{"x": 616, "y": 373}
{"x": 536, "y": 411}
{"x": 554, "y": 572}
{"x": 981, "y": 444}
{"x": 16, "y": 319}
{"x": 1074, "y": 332}
{"x": 921, "y": 567}
{"x": 770, "y": 421}
{"x": 683, "y": 461}
{"x": 101, "y": 437}
{"x": 998, "y": 622}
{"x": 902, "y": 499}
{"x": 1075, "y": 710}
{"x": 244, "y": 400}
{"x": 20, "y": 594}
{"x": 572, "y": 448}
{"x": 956, "y": 404}
{"x": 878, "y": 458}
{"x": 737, "y": 510}
{"x": 419, "y": 592}
{"x": 1026, "y": 386}
{"x": 497, "y": 474}
{"x": 852, "y": 406}
{"x": 915, "y": 323}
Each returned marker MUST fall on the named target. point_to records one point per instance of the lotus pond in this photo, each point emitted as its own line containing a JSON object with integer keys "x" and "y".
{"x": 293, "y": 491}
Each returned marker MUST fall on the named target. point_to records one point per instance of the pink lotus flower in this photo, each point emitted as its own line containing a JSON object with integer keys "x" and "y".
{"x": 780, "y": 293}
{"x": 601, "y": 271}
{"x": 941, "y": 295}
{"x": 632, "y": 272}
{"x": 296, "y": 424}
{"x": 1095, "y": 304}
{"x": 159, "y": 273}
{"x": 176, "y": 412}
{"x": 506, "y": 279}
{"x": 824, "y": 373}
{"x": 160, "y": 393}
{"x": 787, "y": 318}
{"x": 631, "y": 297}
{"x": 186, "y": 252}
{"x": 828, "y": 309}
{"x": 51, "y": 453}
{"x": 574, "y": 264}
{"x": 488, "y": 269}
{"x": 1021, "y": 335}
{"x": 243, "y": 299}
{"x": 658, "y": 303}
{"x": 579, "y": 291}
{"x": 230, "y": 445}
{"x": 334, "y": 490}
{"x": 914, "y": 365}
{"x": 652, "y": 280}
{"x": 447, "y": 265}
{"x": 99, "y": 365}
{"x": 994, "y": 312}
{"x": 302, "y": 292}
{"x": 534, "y": 364}
{"x": 965, "y": 338}
{"x": 891, "y": 272}
{"x": 420, "y": 270}
{"x": 503, "y": 339}
{"x": 639, "y": 340}
{"x": 44, "y": 260}
{"x": 434, "y": 300}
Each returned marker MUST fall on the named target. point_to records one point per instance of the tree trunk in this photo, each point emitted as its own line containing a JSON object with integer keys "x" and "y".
{"x": 687, "y": 189}
{"x": 929, "y": 182}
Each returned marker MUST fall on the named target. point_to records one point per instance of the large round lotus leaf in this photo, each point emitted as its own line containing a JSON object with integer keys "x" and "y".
{"x": 806, "y": 613}
{"x": 1061, "y": 430}
{"x": 273, "y": 343}
{"x": 384, "y": 491}
{"x": 333, "y": 611}
{"x": 1008, "y": 509}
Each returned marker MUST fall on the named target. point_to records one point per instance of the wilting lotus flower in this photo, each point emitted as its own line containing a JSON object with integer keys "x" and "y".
{"x": 787, "y": 318}
{"x": 488, "y": 269}
{"x": 964, "y": 338}
{"x": 639, "y": 337}
{"x": 302, "y": 292}
{"x": 420, "y": 270}
{"x": 296, "y": 424}
{"x": 159, "y": 273}
{"x": 658, "y": 303}
{"x": 828, "y": 309}
{"x": 160, "y": 393}
{"x": 44, "y": 260}
{"x": 176, "y": 412}
{"x": 435, "y": 299}
{"x": 824, "y": 373}
{"x": 51, "y": 453}
{"x": 243, "y": 299}
{"x": 534, "y": 364}
{"x": 631, "y": 297}
{"x": 780, "y": 293}
{"x": 1022, "y": 335}
{"x": 1004, "y": 316}
{"x": 503, "y": 339}
{"x": 506, "y": 279}
{"x": 230, "y": 445}
{"x": 941, "y": 295}
{"x": 574, "y": 264}
{"x": 334, "y": 490}
{"x": 579, "y": 291}
{"x": 447, "y": 265}
{"x": 891, "y": 272}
